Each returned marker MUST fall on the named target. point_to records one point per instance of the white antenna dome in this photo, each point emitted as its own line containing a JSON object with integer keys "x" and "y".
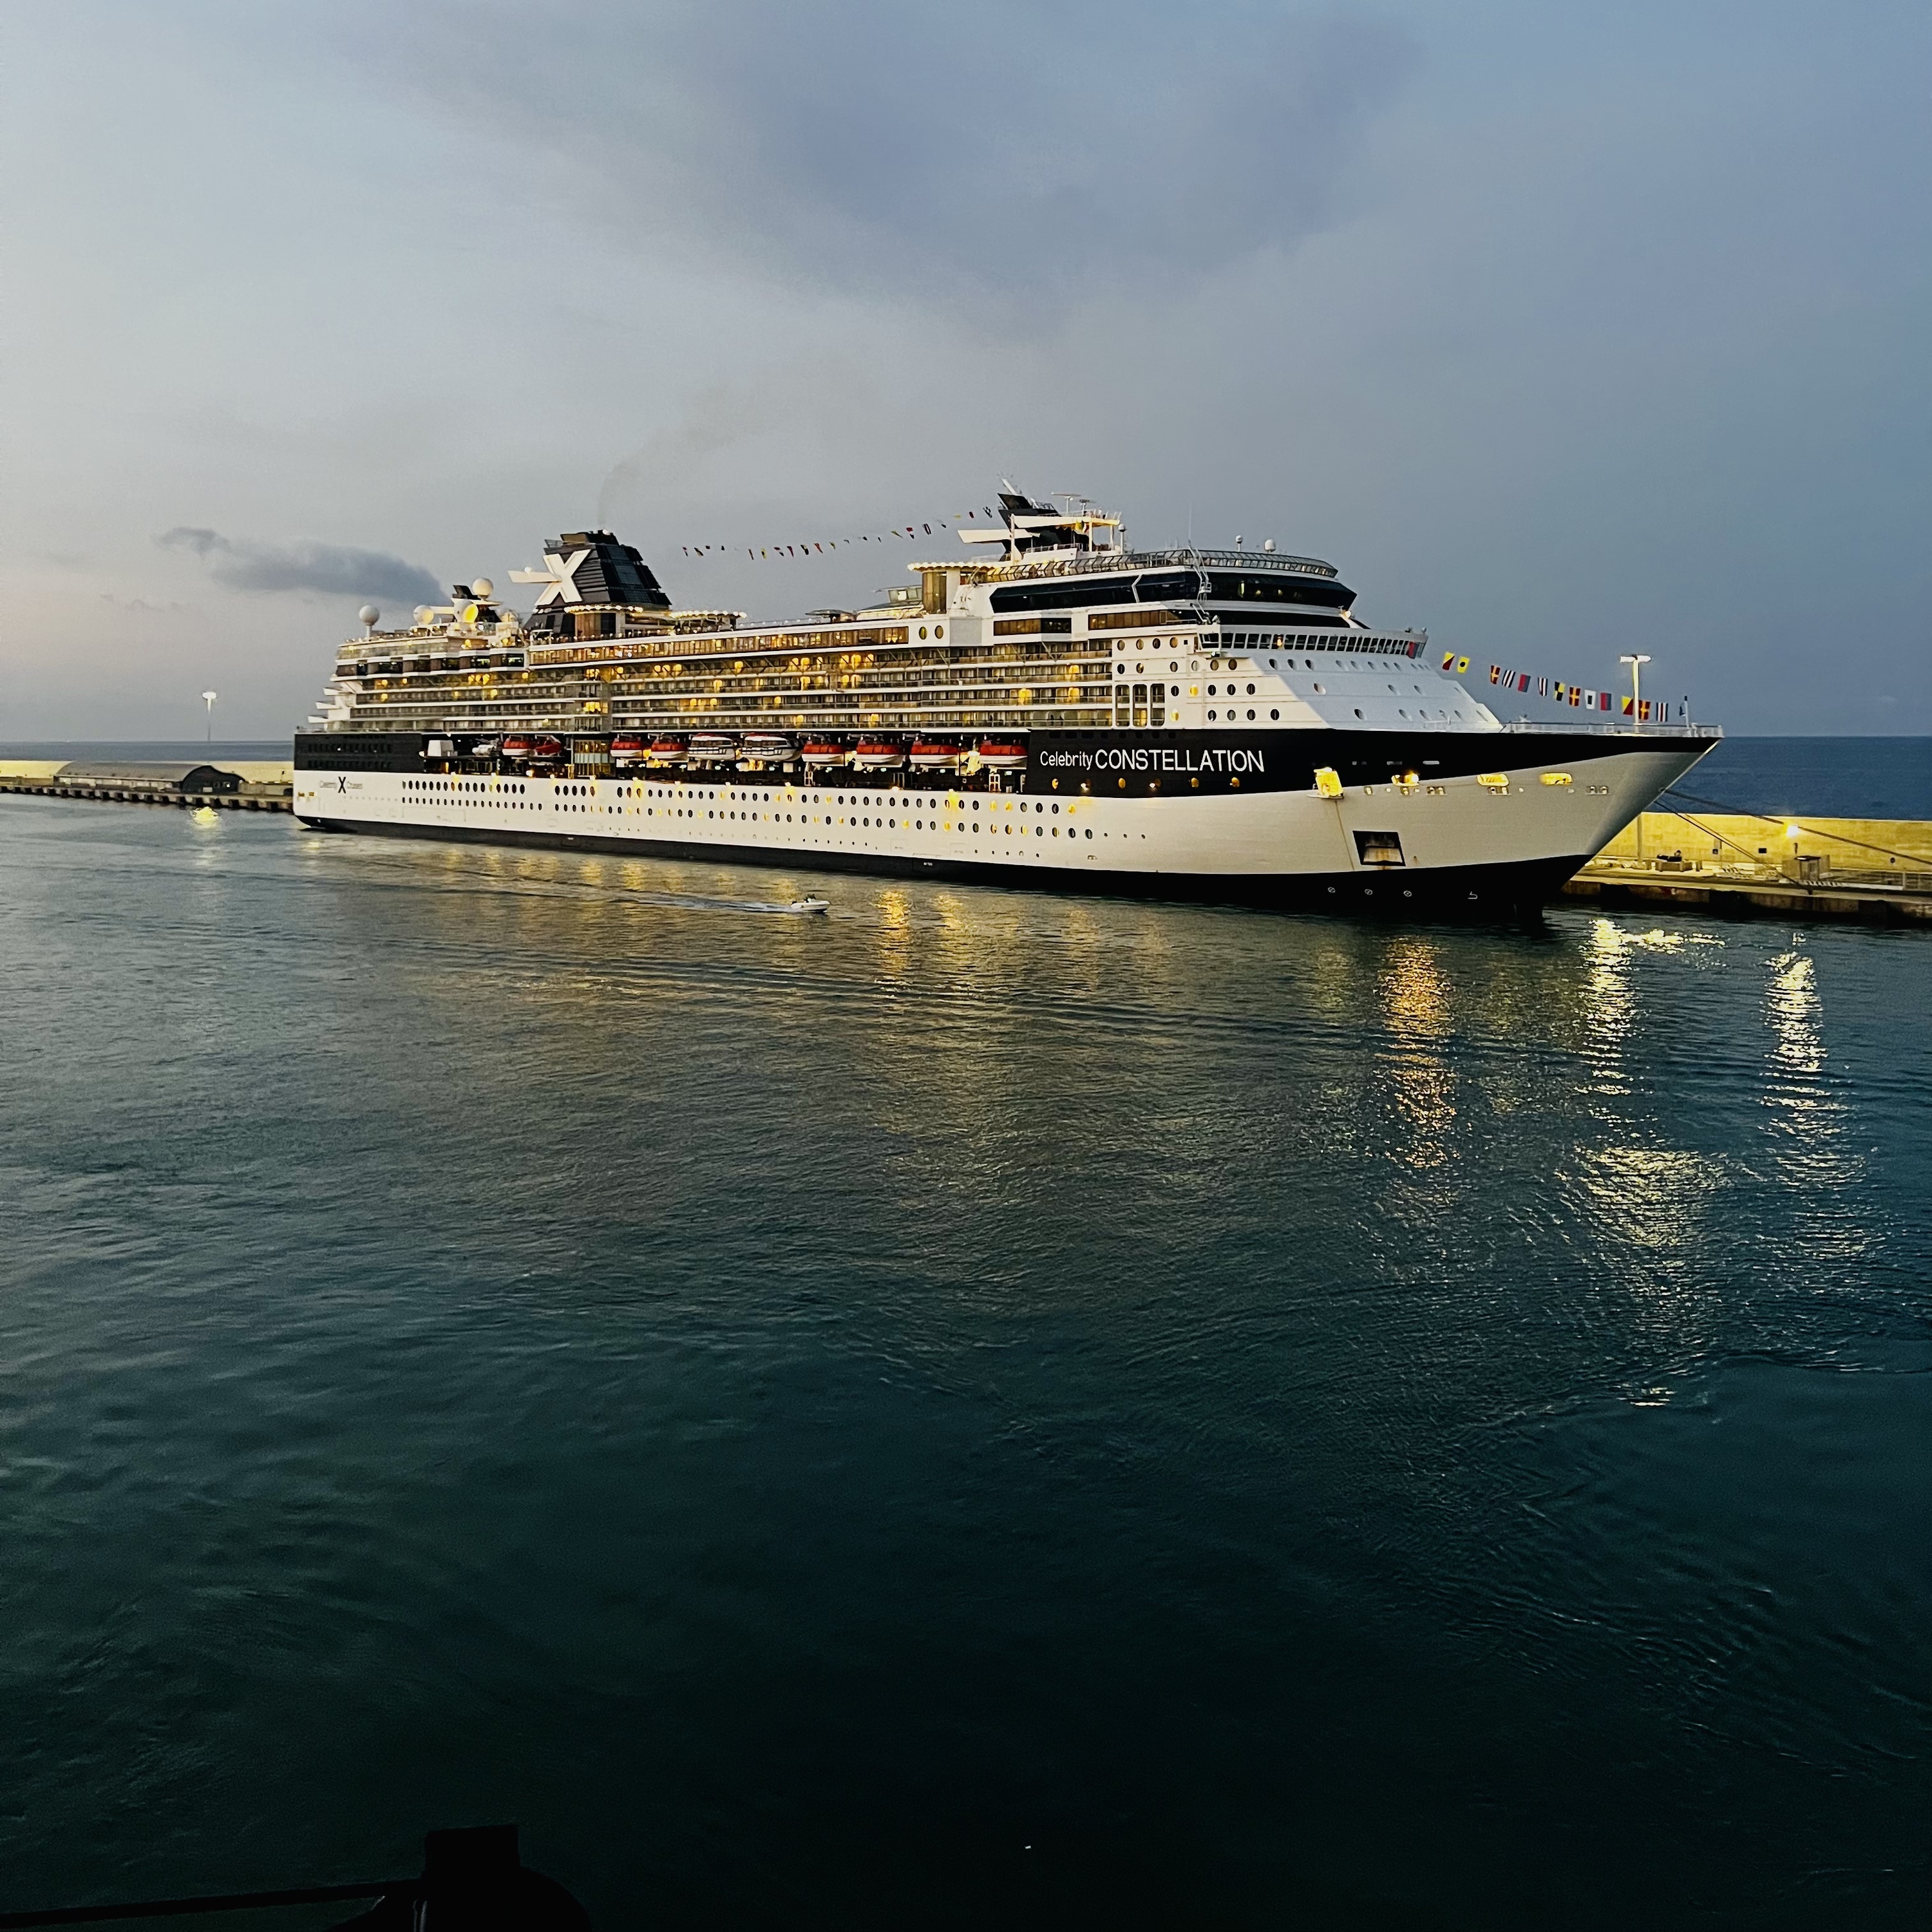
{"x": 1239, "y": 540}
{"x": 424, "y": 613}
{"x": 1267, "y": 545}
{"x": 369, "y": 615}
{"x": 483, "y": 589}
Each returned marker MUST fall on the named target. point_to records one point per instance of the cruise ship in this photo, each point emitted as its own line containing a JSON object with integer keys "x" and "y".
{"x": 1049, "y": 706}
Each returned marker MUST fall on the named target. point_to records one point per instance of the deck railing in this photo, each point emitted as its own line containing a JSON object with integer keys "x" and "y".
{"x": 1627, "y": 730}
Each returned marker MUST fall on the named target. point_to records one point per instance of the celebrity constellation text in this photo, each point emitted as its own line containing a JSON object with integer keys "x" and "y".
{"x": 1156, "y": 758}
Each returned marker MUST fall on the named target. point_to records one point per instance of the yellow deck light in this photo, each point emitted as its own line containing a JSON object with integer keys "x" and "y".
{"x": 1328, "y": 781}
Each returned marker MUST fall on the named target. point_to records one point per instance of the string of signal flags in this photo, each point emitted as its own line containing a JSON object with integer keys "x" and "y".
{"x": 1643, "y": 709}
{"x": 983, "y": 518}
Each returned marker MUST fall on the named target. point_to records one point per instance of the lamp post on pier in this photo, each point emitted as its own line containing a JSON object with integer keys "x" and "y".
{"x": 208, "y": 698}
{"x": 1636, "y": 660}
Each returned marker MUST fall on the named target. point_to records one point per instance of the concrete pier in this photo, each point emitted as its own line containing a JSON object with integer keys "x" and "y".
{"x": 1744, "y": 865}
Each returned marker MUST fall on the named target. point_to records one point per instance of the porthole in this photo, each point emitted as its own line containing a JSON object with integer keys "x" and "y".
{"x": 1251, "y": 691}
{"x": 938, "y": 630}
{"x": 1251, "y": 716}
{"x": 1274, "y": 714}
{"x": 922, "y": 630}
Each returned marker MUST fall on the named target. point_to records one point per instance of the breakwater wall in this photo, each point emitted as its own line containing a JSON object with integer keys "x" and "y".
{"x": 248, "y": 786}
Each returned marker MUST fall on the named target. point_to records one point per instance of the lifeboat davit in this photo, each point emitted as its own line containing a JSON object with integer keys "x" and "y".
{"x": 517, "y": 745}
{"x": 878, "y": 754}
{"x": 483, "y": 747}
{"x": 819, "y": 752}
{"x": 626, "y": 749}
{"x": 1002, "y": 754}
{"x": 713, "y": 748}
{"x": 933, "y": 754}
{"x": 548, "y": 751}
{"x": 766, "y": 747}
{"x": 667, "y": 751}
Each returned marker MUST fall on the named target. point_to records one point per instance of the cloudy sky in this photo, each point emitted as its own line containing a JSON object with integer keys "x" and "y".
{"x": 1563, "y": 330}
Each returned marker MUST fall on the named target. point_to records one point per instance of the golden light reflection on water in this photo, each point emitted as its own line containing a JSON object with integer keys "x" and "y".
{"x": 1414, "y": 992}
{"x": 1611, "y": 1009}
{"x": 1609, "y": 1004}
{"x": 1807, "y": 1116}
{"x": 1793, "y": 1010}
{"x": 1659, "y": 1204}
{"x": 1654, "y": 1194}
{"x": 1024, "y": 988}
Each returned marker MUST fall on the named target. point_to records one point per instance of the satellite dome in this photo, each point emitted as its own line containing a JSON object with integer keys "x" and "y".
{"x": 368, "y": 615}
{"x": 483, "y": 589}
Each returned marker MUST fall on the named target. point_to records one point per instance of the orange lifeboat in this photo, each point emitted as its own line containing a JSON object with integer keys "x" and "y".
{"x": 626, "y": 748}
{"x": 819, "y": 752}
{"x": 934, "y": 754}
{"x": 548, "y": 751}
{"x": 516, "y": 745}
{"x": 878, "y": 754}
{"x": 1002, "y": 754}
{"x": 667, "y": 751}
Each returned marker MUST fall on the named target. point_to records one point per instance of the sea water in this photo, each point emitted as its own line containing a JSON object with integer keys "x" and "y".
{"x": 982, "y": 1408}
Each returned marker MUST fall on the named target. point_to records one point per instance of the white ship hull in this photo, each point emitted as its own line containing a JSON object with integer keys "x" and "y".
{"x": 1504, "y": 835}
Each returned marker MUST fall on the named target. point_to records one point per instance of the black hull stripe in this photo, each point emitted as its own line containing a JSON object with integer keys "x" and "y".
{"x": 1481, "y": 889}
{"x": 1113, "y": 764}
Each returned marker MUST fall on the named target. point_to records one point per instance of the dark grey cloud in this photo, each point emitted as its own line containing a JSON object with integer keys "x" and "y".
{"x": 331, "y": 569}
{"x": 1025, "y": 151}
